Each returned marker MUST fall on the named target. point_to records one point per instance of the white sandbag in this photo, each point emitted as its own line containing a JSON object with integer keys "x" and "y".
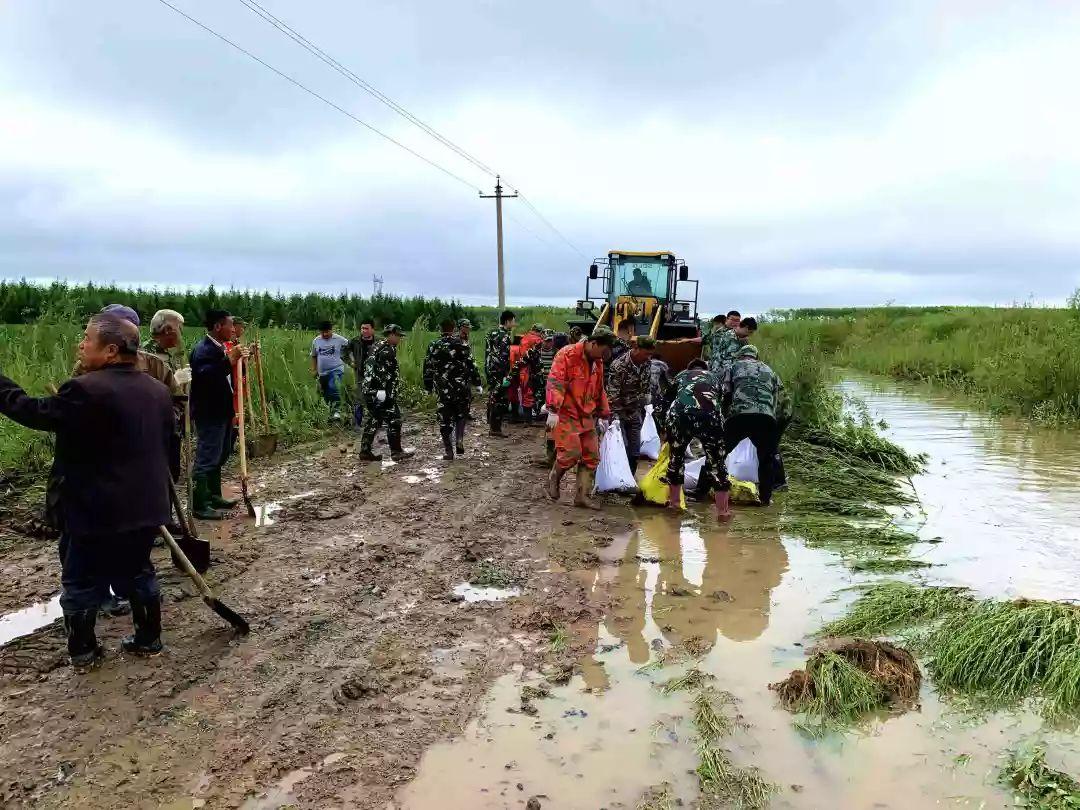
{"x": 742, "y": 462}
{"x": 692, "y": 472}
{"x": 650, "y": 439}
{"x": 613, "y": 473}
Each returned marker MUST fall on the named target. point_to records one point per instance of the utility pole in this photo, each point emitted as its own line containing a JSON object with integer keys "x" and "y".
{"x": 376, "y": 285}
{"x": 498, "y": 197}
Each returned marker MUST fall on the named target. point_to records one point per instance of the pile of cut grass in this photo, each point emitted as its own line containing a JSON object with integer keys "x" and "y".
{"x": 722, "y": 782}
{"x": 1037, "y": 785}
{"x": 999, "y": 652}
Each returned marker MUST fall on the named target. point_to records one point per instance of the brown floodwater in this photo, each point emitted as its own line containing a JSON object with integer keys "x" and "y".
{"x": 1002, "y": 496}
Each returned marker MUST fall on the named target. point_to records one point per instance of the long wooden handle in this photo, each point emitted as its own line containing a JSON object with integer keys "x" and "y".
{"x": 185, "y": 563}
{"x": 251, "y": 405}
{"x": 262, "y": 386}
{"x": 186, "y": 520}
{"x": 240, "y": 416}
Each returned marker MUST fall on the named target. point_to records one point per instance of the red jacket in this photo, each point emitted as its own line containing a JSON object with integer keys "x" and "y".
{"x": 574, "y": 389}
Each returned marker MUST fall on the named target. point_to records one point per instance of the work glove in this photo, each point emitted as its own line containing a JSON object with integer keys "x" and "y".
{"x": 506, "y": 382}
{"x": 601, "y": 426}
{"x": 182, "y": 376}
{"x": 479, "y": 390}
{"x": 552, "y": 420}
{"x": 380, "y": 397}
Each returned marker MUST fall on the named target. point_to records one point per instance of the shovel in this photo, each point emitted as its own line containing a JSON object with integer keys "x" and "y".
{"x": 265, "y": 443}
{"x": 243, "y": 441}
{"x": 195, "y": 549}
{"x": 238, "y": 622}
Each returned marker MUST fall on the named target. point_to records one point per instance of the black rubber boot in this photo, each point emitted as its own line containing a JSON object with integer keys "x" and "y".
{"x": 448, "y": 444}
{"x": 459, "y": 434}
{"x": 367, "y": 455}
{"x": 704, "y": 487}
{"x": 115, "y": 606}
{"x": 397, "y": 452}
{"x": 83, "y": 649}
{"x": 201, "y": 497}
{"x": 146, "y": 616}
{"x": 213, "y": 482}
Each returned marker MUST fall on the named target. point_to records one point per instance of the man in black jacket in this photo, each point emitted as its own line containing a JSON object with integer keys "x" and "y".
{"x": 211, "y": 401}
{"x": 114, "y": 437}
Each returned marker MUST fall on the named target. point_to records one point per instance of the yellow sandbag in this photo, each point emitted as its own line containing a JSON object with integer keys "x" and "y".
{"x": 654, "y": 488}
{"x": 744, "y": 492}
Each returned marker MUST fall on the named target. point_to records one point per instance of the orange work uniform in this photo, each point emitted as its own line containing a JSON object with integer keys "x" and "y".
{"x": 575, "y": 391}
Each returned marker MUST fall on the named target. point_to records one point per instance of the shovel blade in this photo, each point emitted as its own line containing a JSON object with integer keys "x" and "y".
{"x": 197, "y": 551}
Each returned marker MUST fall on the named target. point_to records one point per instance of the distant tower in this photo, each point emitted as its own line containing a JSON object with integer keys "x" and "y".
{"x": 376, "y": 285}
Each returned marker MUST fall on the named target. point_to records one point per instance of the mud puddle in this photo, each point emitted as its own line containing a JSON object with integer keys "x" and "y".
{"x": 740, "y": 606}
{"x": 477, "y": 593}
{"x": 24, "y": 622}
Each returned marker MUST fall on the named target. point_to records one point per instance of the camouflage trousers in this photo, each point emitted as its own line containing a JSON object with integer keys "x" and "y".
{"x": 498, "y": 404}
{"x": 576, "y": 443}
{"x": 380, "y": 414}
{"x": 687, "y": 424}
{"x": 450, "y": 411}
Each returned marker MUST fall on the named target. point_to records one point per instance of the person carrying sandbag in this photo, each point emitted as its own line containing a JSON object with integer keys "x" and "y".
{"x": 691, "y": 409}
{"x": 628, "y": 392}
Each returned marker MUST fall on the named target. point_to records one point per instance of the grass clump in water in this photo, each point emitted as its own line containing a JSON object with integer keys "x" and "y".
{"x": 722, "y": 782}
{"x": 886, "y": 565}
{"x": 1037, "y": 785}
{"x": 891, "y": 607}
{"x": 694, "y": 678}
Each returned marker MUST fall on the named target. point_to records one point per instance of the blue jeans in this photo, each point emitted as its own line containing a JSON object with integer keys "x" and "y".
{"x": 91, "y": 564}
{"x": 213, "y": 445}
{"x": 330, "y": 382}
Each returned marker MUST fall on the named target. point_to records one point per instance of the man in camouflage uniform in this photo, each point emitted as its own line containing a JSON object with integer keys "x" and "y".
{"x": 381, "y": 383}
{"x": 624, "y": 342}
{"x": 754, "y": 404}
{"x": 628, "y": 392}
{"x": 165, "y": 341}
{"x": 449, "y": 372}
{"x": 692, "y": 410}
{"x": 497, "y": 370}
{"x": 576, "y": 399}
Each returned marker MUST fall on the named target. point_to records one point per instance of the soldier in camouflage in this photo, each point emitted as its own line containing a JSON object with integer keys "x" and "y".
{"x": 691, "y": 410}
{"x": 450, "y": 373}
{"x": 628, "y": 393}
{"x": 754, "y": 404}
{"x": 381, "y": 383}
{"x": 497, "y": 370}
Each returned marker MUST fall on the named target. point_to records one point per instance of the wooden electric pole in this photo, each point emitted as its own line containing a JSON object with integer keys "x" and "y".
{"x": 498, "y": 197}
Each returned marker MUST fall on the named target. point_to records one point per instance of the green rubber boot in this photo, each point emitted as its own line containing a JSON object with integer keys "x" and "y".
{"x": 201, "y": 497}
{"x": 213, "y": 481}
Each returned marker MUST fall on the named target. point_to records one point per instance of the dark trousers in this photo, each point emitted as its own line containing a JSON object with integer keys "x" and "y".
{"x": 763, "y": 432}
{"x": 91, "y": 564}
{"x": 377, "y": 415}
{"x": 631, "y": 431}
{"x": 498, "y": 403}
{"x": 213, "y": 444}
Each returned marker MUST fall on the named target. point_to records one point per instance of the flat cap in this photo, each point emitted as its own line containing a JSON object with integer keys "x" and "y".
{"x": 121, "y": 311}
{"x": 393, "y": 329}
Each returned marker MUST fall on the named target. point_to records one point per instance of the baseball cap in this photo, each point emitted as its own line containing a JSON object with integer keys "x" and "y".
{"x": 121, "y": 311}
{"x": 393, "y": 329}
{"x": 464, "y": 323}
{"x": 603, "y": 335}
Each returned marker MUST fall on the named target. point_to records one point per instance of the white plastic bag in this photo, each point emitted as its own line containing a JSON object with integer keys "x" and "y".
{"x": 692, "y": 472}
{"x": 650, "y": 439}
{"x": 613, "y": 474}
{"x": 742, "y": 462}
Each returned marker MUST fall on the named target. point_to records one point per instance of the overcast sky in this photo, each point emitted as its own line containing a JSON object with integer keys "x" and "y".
{"x": 794, "y": 153}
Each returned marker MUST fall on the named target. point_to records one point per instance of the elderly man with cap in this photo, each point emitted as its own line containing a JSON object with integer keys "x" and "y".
{"x": 145, "y": 362}
{"x": 628, "y": 392}
{"x": 755, "y": 406}
{"x": 114, "y": 439}
{"x": 576, "y": 399}
{"x": 450, "y": 373}
{"x": 165, "y": 341}
{"x": 381, "y": 381}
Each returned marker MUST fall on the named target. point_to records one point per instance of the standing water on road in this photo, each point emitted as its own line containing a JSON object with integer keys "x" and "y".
{"x": 1002, "y": 496}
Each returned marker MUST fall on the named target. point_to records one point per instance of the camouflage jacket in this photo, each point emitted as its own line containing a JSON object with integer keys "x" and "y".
{"x": 628, "y": 385}
{"x": 381, "y": 371}
{"x": 497, "y": 353}
{"x": 693, "y": 389}
{"x": 750, "y": 386}
{"x": 722, "y": 343}
{"x": 174, "y": 360}
{"x": 449, "y": 370}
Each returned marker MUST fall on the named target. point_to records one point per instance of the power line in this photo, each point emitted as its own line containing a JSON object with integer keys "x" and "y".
{"x": 321, "y": 98}
{"x": 318, "y": 52}
{"x": 544, "y": 219}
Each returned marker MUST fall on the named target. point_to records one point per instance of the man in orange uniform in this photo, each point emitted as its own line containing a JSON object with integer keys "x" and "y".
{"x": 575, "y": 400}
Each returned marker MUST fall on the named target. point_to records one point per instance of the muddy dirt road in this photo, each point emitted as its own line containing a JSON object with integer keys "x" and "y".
{"x": 361, "y": 656}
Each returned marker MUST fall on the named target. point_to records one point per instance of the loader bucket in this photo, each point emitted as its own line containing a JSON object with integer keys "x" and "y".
{"x": 677, "y": 355}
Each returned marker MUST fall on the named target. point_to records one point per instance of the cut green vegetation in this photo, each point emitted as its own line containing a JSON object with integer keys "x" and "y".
{"x": 1037, "y": 785}
{"x": 890, "y": 607}
{"x": 558, "y": 639}
{"x": 489, "y": 574}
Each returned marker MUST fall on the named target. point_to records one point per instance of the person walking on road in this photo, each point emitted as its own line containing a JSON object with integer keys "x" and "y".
{"x": 451, "y": 374}
{"x": 692, "y": 409}
{"x": 115, "y": 436}
{"x": 628, "y": 393}
{"x": 576, "y": 399}
{"x": 212, "y": 412}
{"x": 328, "y": 365}
{"x": 359, "y": 349}
{"x": 381, "y": 381}
{"x": 755, "y": 406}
{"x": 497, "y": 370}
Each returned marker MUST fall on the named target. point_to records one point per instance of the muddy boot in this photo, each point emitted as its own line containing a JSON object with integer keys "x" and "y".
{"x": 704, "y": 487}
{"x": 397, "y": 453}
{"x": 366, "y": 454}
{"x": 213, "y": 482}
{"x": 448, "y": 446}
{"x": 723, "y": 505}
{"x": 459, "y": 434}
{"x": 549, "y": 452}
{"x": 146, "y": 641}
{"x": 83, "y": 649}
{"x": 201, "y": 500}
{"x": 674, "y": 498}
{"x": 584, "y": 489}
{"x": 554, "y": 479}
{"x": 495, "y": 424}
{"x": 115, "y": 606}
